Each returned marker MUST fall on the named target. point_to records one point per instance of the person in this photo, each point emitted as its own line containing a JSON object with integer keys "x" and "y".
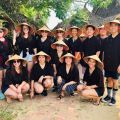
{"x": 24, "y": 41}
{"x": 112, "y": 61}
{"x": 91, "y": 44}
{"x": 59, "y": 34}
{"x": 44, "y": 41}
{"x": 5, "y": 53}
{"x": 60, "y": 49}
{"x": 68, "y": 76}
{"x": 16, "y": 79}
{"x": 93, "y": 81}
{"x": 41, "y": 75}
{"x": 102, "y": 36}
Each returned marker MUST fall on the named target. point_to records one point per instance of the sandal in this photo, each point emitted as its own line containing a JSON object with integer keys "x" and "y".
{"x": 60, "y": 97}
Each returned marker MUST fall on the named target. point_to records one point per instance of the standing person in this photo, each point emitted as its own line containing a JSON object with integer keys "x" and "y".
{"x": 5, "y": 52}
{"x": 16, "y": 79}
{"x": 41, "y": 75}
{"x": 93, "y": 86}
{"x": 112, "y": 61}
{"x": 91, "y": 45}
{"x": 68, "y": 76}
{"x": 25, "y": 42}
{"x": 103, "y": 35}
{"x": 59, "y": 34}
{"x": 60, "y": 49}
{"x": 43, "y": 43}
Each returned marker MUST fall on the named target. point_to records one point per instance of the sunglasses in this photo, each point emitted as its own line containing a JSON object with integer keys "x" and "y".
{"x": 44, "y": 31}
{"x": 16, "y": 61}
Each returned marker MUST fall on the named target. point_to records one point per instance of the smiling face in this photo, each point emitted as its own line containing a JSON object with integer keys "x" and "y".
{"x": 90, "y": 31}
{"x": 68, "y": 60}
{"x": 26, "y": 29}
{"x": 102, "y": 32}
{"x": 44, "y": 33}
{"x": 74, "y": 32}
{"x": 114, "y": 27}
{"x": 59, "y": 47}
{"x": 1, "y": 33}
{"x": 16, "y": 63}
{"x": 41, "y": 59}
{"x": 92, "y": 63}
{"x": 60, "y": 33}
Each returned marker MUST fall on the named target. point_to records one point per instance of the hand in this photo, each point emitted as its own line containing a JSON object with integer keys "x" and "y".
{"x": 64, "y": 87}
{"x": 59, "y": 80}
{"x": 31, "y": 94}
{"x": 118, "y": 69}
{"x": 40, "y": 79}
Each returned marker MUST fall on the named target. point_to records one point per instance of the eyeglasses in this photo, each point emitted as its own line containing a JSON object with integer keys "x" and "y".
{"x": 16, "y": 61}
{"x": 44, "y": 31}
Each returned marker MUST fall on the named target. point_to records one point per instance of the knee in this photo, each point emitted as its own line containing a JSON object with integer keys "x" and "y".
{"x": 26, "y": 87}
{"x": 39, "y": 89}
{"x": 84, "y": 93}
{"x": 48, "y": 83}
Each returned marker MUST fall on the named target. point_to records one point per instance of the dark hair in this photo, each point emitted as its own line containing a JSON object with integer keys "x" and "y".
{"x": 90, "y": 26}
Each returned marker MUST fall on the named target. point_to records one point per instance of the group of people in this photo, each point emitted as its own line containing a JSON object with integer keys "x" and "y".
{"x": 44, "y": 60}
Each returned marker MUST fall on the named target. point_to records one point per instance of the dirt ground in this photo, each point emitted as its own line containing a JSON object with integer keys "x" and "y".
{"x": 49, "y": 108}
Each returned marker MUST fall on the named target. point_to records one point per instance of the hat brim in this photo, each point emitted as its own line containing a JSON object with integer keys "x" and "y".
{"x": 99, "y": 63}
{"x": 63, "y": 57}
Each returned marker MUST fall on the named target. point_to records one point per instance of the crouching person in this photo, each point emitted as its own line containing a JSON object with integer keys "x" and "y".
{"x": 16, "y": 79}
{"x": 41, "y": 74}
{"x": 93, "y": 86}
{"x": 68, "y": 76}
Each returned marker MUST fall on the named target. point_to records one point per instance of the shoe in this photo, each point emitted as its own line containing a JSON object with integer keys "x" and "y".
{"x": 44, "y": 93}
{"x": 2, "y": 96}
{"x": 106, "y": 99}
{"x": 72, "y": 94}
{"x": 112, "y": 102}
{"x": 60, "y": 97}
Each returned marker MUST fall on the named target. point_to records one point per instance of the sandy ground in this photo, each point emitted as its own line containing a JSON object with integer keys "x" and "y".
{"x": 69, "y": 108}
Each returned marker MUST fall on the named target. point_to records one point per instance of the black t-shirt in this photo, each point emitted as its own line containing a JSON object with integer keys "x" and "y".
{"x": 74, "y": 45}
{"x": 112, "y": 53}
{"x": 91, "y": 46}
{"x": 44, "y": 46}
{"x": 73, "y": 74}
{"x": 12, "y": 77}
{"x": 37, "y": 71}
{"x": 96, "y": 78}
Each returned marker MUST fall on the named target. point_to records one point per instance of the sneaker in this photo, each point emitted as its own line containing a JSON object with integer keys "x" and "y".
{"x": 106, "y": 99}
{"x": 113, "y": 102}
{"x": 72, "y": 94}
{"x": 2, "y": 96}
{"x": 44, "y": 93}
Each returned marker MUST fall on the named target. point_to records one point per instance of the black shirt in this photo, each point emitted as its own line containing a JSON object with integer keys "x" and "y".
{"x": 73, "y": 74}
{"x": 96, "y": 78}
{"x": 91, "y": 46}
{"x": 25, "y": 45}
{"x": 74, "y": 45}
{"x": 44, "y": 46}
{"x": 112, "y": 53}
{"x": 37, "y": 71}
{"x": 12, "y": 77}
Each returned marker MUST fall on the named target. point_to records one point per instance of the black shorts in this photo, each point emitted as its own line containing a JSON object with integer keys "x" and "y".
{"x": 4, "y": 88}
{"x": 99, "y": 91}
{"x": 112, "y": 74}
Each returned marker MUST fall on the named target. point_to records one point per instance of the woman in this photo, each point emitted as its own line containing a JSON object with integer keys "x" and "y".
{"x": 43, "y": 43}
{"x": 112, "y": 61}
{"x": 68, "y": 76}
{"x": 16, "y": 79}
{"x": 93, "y": 86}
{"x": 59, "y": 34}
{"x": 5, "y": 52}
{"x": 60, "y": 48}
{"x": 41, "y": 75}
{"x": 102, "y": 37}
{"x": 25, "y": 42}
{"x": 91, "y": 45}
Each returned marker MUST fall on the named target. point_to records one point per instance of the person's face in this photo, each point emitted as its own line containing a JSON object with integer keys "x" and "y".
{"x": 25, "y": 29}
{"x": 91, "y": 63}
{"x": 74, "y": 32}
{"x": 1, "y": 33}
{"x": 59, "y": 47}
{"x": 60, "y": 33}
{"x": 90, "y": 31}
{"x": 103, "y": 32}
{"x": 114, "y": 28}
{"x": 44, "y": 33}
{"x": 41, "y": 59}
{"x": 68, "y": 60}
{"x": 16, "y": 63}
